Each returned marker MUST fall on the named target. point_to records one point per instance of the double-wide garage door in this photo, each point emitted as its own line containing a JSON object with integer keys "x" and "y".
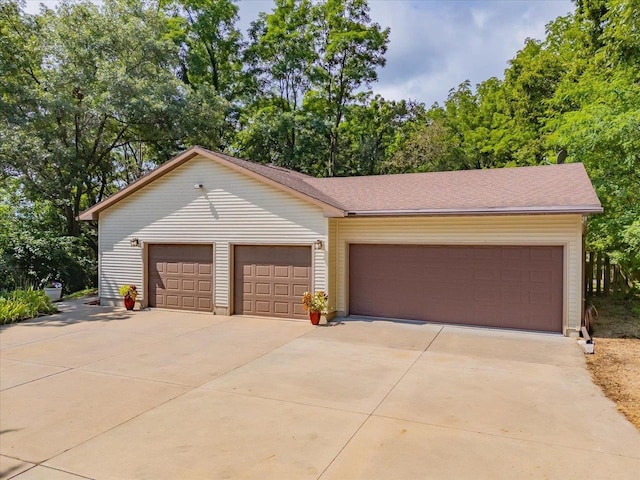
{"x": 499, "y": 286}
{"x": 181, "y": 277}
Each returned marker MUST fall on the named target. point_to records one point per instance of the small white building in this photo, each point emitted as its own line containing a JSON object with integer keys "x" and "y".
{"x": 209, "y": 232}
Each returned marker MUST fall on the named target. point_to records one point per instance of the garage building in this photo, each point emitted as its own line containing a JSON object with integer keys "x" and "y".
{"x": 213, "y": 233}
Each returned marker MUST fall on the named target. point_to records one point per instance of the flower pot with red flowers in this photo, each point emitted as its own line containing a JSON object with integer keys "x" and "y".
{"x": 129, "y": 292}
{"x": 315, "y": 304}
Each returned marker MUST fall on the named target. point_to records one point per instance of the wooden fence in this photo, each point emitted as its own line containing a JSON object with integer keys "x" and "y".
{"x": 603, "y": 277}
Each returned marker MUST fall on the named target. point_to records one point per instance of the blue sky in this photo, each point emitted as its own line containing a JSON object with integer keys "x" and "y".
{"x": 437, "y": 44}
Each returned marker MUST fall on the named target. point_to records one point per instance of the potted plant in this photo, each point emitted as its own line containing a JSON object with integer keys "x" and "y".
{"x": 53, "y": 290}
{"x": 315, "y": 304}
{"x": 129, "y": 292}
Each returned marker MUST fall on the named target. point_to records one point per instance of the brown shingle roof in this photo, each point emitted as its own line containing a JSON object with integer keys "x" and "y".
{"x": 542, "y": 189}
{"x": 295, "y": 180}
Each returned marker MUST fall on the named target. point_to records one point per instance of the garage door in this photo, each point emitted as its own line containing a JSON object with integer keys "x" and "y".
{"x": 270, "y": 280}
{"x": 181, "y": 277}
{"x": 498, "y": 286}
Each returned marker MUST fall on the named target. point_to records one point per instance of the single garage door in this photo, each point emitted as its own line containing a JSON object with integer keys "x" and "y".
{"x": 270, "y": 280}
{"x": 181, "y": 277}
{"x": 498, "y": 286}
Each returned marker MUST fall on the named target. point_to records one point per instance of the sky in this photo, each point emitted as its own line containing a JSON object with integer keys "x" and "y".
{"x": 437, "y": 44}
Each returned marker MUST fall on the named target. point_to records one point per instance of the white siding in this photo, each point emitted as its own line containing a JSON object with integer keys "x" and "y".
{"x": 231, "y": 208}
{"x": 565, "y": 230}
{"x": 332, "y": 264}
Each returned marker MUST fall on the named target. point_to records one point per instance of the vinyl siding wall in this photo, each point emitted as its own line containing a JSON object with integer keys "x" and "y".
{"x": 231, "y": 208}
{"x": 565, "y": 230}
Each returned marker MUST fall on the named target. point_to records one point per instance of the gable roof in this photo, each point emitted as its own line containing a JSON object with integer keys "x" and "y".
{"x": 541, "y": 189}
{"x": 280, "y": 178}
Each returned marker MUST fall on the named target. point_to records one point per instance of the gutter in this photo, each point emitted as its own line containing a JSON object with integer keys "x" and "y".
{"x": 478, "y": 211}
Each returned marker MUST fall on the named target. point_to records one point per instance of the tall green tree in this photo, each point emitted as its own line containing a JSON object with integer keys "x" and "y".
{"x": 89, "y": 100}
{"x": 311, "y": 62}
{"x": 279, "y": 58}
{"x": 350, "y": 49}
{"x": 209, "y": 41}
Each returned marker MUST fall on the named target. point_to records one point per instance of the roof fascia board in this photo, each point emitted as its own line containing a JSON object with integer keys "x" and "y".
{"x": 92, "y": 213}
{"x": 473, "y": 211}
{"x": 256, "y": 176}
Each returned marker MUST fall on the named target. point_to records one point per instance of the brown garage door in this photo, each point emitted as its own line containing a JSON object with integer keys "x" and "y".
{"x": 498, "y": 286}
{"x": 181, "y": 277}
{"x": 269, "y": 280}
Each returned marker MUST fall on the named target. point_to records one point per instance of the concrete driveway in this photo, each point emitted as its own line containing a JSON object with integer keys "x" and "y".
{"x": 107, "y": 394}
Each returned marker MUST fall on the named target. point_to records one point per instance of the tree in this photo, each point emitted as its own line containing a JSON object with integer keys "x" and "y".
{"x": 34, "y": 248}
{"x": 310, "y": 62}
{"x": 209, "y": 41}
{"x": 89, "y": 100}
{"x": 350, "y": 48}
{"x": 602, "y": 130}
{"x": 373, "y": 131}
{"x": 279, "y": 57}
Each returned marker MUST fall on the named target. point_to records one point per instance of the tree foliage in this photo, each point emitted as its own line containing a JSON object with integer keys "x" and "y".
{"x": 93, "y": 96}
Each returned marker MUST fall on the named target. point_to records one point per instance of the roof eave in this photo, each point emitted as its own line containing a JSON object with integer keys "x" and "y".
{"x": 581, "y": 209}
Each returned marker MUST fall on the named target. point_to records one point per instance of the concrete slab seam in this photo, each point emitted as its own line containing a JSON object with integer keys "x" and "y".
{"x": 241, "y": 394}
{"x": 506, "y": 437}
{"x": 41, "y": 339}
{"x": 190, "y": 389}
{"x": 380, "y": 403}
{"x": 66, "y": 369}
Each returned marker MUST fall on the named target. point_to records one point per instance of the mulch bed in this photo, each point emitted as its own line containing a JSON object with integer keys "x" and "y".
{"x": 615, "y": 367}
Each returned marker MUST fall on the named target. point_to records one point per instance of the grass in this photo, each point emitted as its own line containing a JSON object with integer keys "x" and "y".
{"x": 87, "y": 292}
{"x": 20, "y": 305}
{"x": 615, "y": 365}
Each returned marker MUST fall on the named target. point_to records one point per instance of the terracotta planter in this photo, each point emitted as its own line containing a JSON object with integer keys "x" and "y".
{"x": 315, "y": 317}
{"x": 129, "y": 303}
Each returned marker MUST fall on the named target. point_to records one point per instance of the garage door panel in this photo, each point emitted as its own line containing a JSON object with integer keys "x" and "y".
{"x": 269, "y": 280}
{"x": 281, "y": 289}
{"x": 283, "y": 308}
{"x": 263, "y": 271}
{"x": 281, "y": 271}
{"x": 171, "y": 301}
{"x": 511, "y": 297}
{"x": 188, "y": 302}
{"x": 263, "y": 307}
{"x": 300, "y": 288}
{"x": 263, "y": 289}
{"x": 181, "y": 276}
{"x": 301, "y": 273}
{"x": 502, "y": 286}
{"x": 172, "y": 268}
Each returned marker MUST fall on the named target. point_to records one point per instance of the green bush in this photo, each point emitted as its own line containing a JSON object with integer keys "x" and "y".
{"x": 24, "y": 304}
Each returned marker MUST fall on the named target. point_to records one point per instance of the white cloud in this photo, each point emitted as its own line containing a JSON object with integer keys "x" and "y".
{"x": 436, "y": 45}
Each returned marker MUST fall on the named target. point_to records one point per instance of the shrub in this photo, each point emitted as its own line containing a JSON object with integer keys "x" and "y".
{"x": 315, "y": 302}
{"x": 24, "y": 304}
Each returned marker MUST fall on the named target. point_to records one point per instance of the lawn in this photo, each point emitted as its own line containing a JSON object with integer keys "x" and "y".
{"x": 615, "y": 366}
{"x": 87, "y": 292}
